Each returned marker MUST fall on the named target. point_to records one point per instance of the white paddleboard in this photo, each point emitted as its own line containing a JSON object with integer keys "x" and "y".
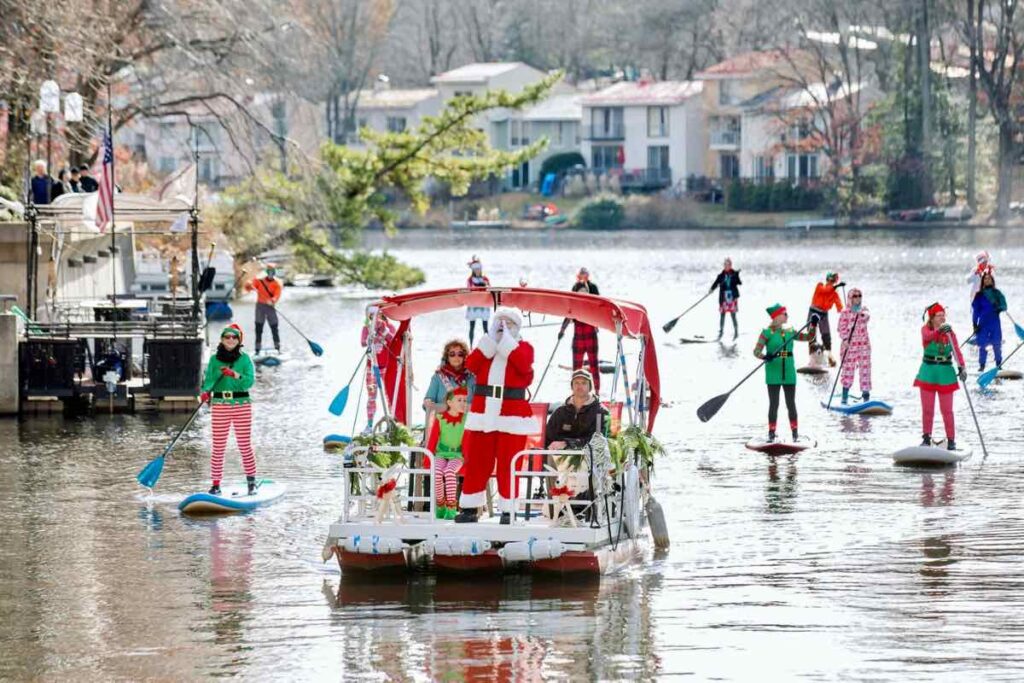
{"x": 697, "y": 339}
{"x": 930, "y": 456}
{"x": 232, "y": 499}
{"x": 1010, "y": 374}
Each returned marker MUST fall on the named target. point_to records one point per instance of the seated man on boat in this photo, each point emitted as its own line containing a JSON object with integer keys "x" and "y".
{"x": 577, "y": 420}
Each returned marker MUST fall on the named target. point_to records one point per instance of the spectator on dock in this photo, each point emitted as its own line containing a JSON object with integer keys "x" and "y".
{"x": 42, "y": 183}
{"x": 60, "y": 186}
{"x": 87, "y": 182}
{"x": 75, "y": 180}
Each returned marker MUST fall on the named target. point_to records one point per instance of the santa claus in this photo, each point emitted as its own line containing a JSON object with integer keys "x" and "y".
{"x": 500, "y": 418}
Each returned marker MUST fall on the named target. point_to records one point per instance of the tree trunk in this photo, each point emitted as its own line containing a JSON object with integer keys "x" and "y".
{"x": 1007, "y": 159}
{"x": 972, "y": 111}
{"x": 924, "y": 46}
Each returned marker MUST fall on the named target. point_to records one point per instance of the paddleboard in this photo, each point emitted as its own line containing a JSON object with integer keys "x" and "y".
{"x": 268, "y": 361}
{"x": 697, "y": 339}
{"x": 780, "y": 447}
{"x": 860, "y": 408}
{"x": 605, "y": 367}
{"x": 930, "y": 456}
{"x": 1010, "y": 374}
{"x": 812, "y": 370}
{"x": 334, "y": 442}
{"x": 231, "y": 499}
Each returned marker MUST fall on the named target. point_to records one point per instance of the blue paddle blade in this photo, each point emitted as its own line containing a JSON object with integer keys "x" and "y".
{"x": 985, "y": 378}
{"x": 1019, "y": 330}
{"x": 149, "y": 474}
{"x": 315, "y": 348}
{"x": 337, "y": 406}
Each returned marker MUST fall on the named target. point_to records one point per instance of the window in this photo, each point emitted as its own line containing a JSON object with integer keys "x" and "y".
{"x": 463, "y": 93}
{"x": 657, "y": 122}
{"x": 730, "y": 164}
{"x": 657, "y": 157}
{"x": 396, "y": 124}
{"x": 207, "y": 169}
{"x": 167, "y": 165}
{"x": 606, "y": 123}
{"x": 606, "y": 156}
{"x": 514, "y": 132}
{"x": 764, "y": 167}
{"x": 802, "y": 166}
{"x": 559, "y": 140}
{"x": 727, "y": 93}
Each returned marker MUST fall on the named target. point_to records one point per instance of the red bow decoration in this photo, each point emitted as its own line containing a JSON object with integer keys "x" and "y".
{"x": 561, "y": 491}
{"x": 386, "y": 488}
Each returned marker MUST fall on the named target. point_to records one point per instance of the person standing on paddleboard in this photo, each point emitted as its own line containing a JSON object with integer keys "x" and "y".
{"x": 775, "y": 347}
{"x": 229, "y": 376}
{"x": 474, "y": 313}
{"x": 856, "y": 349}
{"x": 268, "y": 293}
{"x": 936, "y": 376}
{"x": 825, "y": 297}
{"x": 982, "y": 265}
{"x": 728, "y": 283}
{"x": 988, "y": 303}
{"x": 376, "y": 339}
{"x": 584, "y": 336}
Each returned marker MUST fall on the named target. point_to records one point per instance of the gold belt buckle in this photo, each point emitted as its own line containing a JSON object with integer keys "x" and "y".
{"x": 227, "y": 394}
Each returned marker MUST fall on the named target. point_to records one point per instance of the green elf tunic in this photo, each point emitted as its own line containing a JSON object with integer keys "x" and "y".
{"x": 244, "y": 381}
{"x": 937, "y": 372}
{"x": 781, "y": 370}
{"x": 449, "y": 440}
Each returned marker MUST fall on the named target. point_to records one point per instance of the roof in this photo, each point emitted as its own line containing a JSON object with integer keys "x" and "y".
{"x": 567, "y": 107}
{"x": 645, "y": 93}
{"x": 598, "y": 311}
{"x": 747, "y": 64}
{"x": 782, "y": 98}
{"x": 478, "y": 72}
{"x": 394, "y": 99}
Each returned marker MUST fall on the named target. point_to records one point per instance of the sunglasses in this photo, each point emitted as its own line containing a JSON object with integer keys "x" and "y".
{"x": 856, "y": 296}
{"x": 456, "y": 354}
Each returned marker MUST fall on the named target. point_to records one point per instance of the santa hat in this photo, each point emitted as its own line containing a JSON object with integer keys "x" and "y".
{"x": 933, "y": 311}
{"x": 234, "y": 330}
{"x": 474, "y": 263}
{"x": 982, "y": 257}
{"x": 776, "y": 310}
{"x": 509, "y": 314}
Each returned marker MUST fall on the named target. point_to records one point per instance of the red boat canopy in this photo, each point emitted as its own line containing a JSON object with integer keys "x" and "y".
{"x": 599, "y": 311}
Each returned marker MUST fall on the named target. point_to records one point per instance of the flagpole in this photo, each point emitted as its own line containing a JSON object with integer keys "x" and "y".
{"x": 113, "y": 220}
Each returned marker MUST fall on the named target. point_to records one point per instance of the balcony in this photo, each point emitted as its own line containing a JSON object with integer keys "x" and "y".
{"x": 615, "y": 131}
{"x": 725, "y": 139}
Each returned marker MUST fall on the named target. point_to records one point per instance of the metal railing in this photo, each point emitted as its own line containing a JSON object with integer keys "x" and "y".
{"x": 725, "y": 138}
{"x": 516, "y": 474}
{"x": 369, "y": 477}
{"x": 614, "y": 131}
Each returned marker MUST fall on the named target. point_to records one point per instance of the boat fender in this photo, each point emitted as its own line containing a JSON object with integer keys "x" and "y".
{"x": 631, "y": 501}
{"x": 374, "y": 545}
{"x": 329, "y": 549}
{"x": 656, "y": 520}
{"x": 531, "y": 550}
{"x": 459, "y": 546}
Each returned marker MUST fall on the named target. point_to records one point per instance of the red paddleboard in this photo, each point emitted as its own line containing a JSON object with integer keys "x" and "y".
{"x": 780, "y": 447}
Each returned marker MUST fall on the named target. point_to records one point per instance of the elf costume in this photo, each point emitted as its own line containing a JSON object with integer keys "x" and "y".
{"x": 988, "y": 303}
{"x": 229, "y": 376}
{"x": 775, "y": 347}
{"x": 376, "y": 336}
{"x": 446, "y": 444}
{"x": 856, "y": 349}
{"x": 825, "y": 297}
{"x": 937, "y": 377}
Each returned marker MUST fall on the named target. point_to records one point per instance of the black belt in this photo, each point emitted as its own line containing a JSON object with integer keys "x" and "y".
{"x": 932, "y": 360}
{"x": 490, "y": 391}
{"x": 230, "y": 394}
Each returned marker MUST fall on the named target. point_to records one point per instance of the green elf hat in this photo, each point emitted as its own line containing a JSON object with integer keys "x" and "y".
{"x": 776, "y": 310}
{"x": 831, "y": 276}
{"x": 234, "y": 330}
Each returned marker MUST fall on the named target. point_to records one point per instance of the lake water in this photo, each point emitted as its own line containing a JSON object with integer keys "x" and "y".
{"x": 829, "y": 565}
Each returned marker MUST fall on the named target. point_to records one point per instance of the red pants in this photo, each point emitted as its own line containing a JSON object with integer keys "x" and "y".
{"x": 584, "y": 344}
{"x": 928, "y": 412}
{"x": 487, "y": 452}
{"x": 224, "y": 416}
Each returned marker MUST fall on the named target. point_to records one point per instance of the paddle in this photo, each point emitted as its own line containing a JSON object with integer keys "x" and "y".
{"x": 337, "y": 406}
{"x": 313, "y": 346}
{"x": 209, "y": 272}
{"x": 711, "y": 407}
{"x": 985, "y": 378}
{"x": 970, "y": 403}
{"x": 149, "y": 474}
{"x": 842, "y": 361}
{"x": 1016, "y": 328}
{"x": 672, "y": 323}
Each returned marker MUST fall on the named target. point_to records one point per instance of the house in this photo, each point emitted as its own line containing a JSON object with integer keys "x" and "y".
{"x": 394, "y": 110}
{"x": 731, "y": 88}
{"x": 650, "y": 133}
{"x": 556, "y": 118}
{"x": 477, "y": 78}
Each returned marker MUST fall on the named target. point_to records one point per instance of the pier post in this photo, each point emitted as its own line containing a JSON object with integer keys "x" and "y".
{"x": 9, "y": 402}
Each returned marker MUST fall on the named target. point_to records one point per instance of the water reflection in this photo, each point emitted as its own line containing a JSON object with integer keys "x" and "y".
{"x": 934, "y": 570}
{"x": 933, "y": 494}
{"x": 780, "y": 492}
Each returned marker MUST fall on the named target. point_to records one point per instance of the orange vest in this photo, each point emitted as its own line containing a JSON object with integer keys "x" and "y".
{"x": 825, "y": 297}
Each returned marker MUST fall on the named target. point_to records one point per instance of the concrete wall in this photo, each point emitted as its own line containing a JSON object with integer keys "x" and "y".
{"x": 8, "y": 364}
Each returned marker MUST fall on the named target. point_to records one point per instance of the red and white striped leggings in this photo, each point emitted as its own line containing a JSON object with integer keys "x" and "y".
{"x": 224, "y": 416}
{"x": 445, "y": 480}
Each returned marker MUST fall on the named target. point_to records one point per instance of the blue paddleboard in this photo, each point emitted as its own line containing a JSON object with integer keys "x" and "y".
{"x": 268, "y": 361}
{"x": 334, "y": 441}
{"x": 232, "y": 499}
{"x": 860, "y": 408}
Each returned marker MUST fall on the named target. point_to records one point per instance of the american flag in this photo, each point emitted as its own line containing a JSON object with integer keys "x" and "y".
{"x": 105, "y": 203}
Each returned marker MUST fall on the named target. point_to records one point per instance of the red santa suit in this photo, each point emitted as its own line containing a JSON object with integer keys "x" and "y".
{"x": 500, "y": 418}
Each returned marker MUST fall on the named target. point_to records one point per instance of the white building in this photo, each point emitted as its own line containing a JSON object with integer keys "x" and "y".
{"x": 389, "y": 110}
{"x": 652, "y": 133}
{"x": 557, "y": 118}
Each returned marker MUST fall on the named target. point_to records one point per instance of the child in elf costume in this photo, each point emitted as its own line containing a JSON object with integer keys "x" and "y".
{"x": 229, "y": 376}
{"x": 775, "y": 347}
{"x": 825, "y": 297}
{"x": 446, "y": 445}
{"x": 988, "y": 303}
{"x": 856, "y": 345}
{"x": 936, "y": 376}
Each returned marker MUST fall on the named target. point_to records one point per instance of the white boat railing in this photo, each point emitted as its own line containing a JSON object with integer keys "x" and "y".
{"x": 575, "y": 507}
{"x": 370, "y": 477}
